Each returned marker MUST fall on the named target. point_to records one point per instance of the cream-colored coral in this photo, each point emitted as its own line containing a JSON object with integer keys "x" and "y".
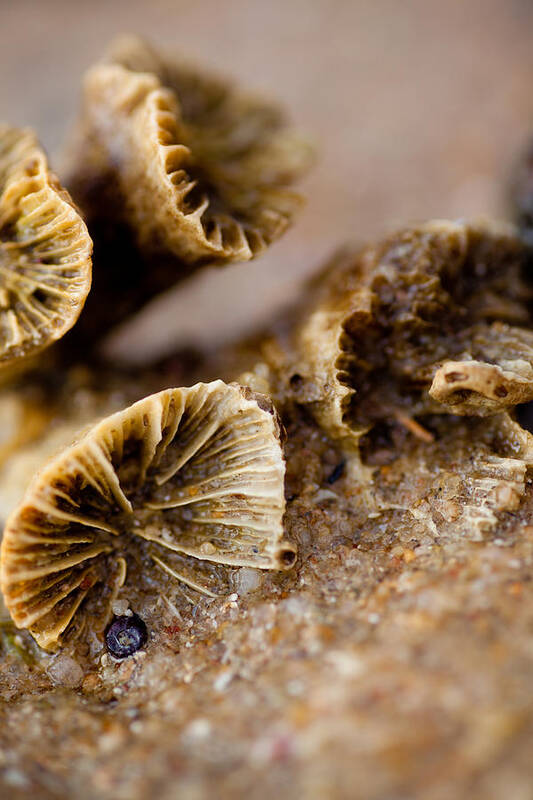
{"x": 196, "y": 471}
{"x": 45, "y": 251}
{"x": 504, "y": 378}
{"x": 198, "y": 169}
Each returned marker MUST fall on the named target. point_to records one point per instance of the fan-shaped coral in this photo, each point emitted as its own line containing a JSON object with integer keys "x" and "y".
{"x": 45, "y": 251}
{"x": 196, "y": 471}
{"x": 198, "y": 169}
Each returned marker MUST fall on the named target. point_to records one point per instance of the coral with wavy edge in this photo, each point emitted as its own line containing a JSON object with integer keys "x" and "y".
{"x": 45, "y": 251}
{"x": 197, "y": 471}
{"x": 428, "y": 321}
{"x": 201, "y": 170}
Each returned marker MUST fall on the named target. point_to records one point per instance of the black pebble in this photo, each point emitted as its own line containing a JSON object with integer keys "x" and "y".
{"x": 336, "y": 473}
{"x": 126, "y": 635}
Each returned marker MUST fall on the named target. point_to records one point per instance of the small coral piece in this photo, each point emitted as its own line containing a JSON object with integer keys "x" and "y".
{"x": 198, "y": 169}
{"x": 504, "y": 378}
{"x": 45, "y": 251}
{"x": 197, "y": 471}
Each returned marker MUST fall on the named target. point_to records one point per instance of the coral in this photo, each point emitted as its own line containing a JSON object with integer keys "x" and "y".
{"x": 196, "y": 471}
{"x": 45, "y": 251}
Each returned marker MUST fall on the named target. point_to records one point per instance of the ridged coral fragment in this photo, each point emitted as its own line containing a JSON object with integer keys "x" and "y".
{"x": 196, "y": 471}
{"x": 45, "y": 251}
{"x": 198, "y": 169}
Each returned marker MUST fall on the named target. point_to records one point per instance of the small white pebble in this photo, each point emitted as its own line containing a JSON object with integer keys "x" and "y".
{"x": 108, "y": 742}
{"x": 374, "y": 619}
{"x": 136, "y": 726}
{"x": 139, "y": 655}
{"x": 324, "y": 494}
{"x": 222, "y": 681}
{"x": 348, "y": 665}
{"x": 66, "y": 672}
{"x": 246, "y": 580}
{"x": 13, "y": 777}
{"x": 198, "y": 729}
{"x": 120, "y": 607}
{"x": 232, "y": 598}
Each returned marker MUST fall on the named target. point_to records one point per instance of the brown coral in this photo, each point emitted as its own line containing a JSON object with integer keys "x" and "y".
{"x": 431, "y": 320}
{"x": 45, "y": 251}
{"x": 199, "y": 170}
{"x": 197, "y": 471}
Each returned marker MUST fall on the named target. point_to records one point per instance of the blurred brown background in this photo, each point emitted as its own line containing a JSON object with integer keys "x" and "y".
{"x": 418, "y": 108}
